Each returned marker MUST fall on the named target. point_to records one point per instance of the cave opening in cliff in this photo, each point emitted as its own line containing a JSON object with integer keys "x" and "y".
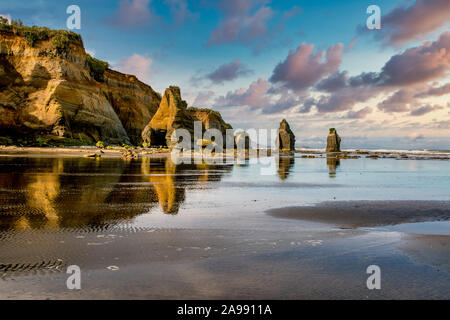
{"x": 159, "y": 138}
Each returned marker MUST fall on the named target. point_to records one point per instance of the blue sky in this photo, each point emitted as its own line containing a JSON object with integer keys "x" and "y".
{"x": 224, "y": 54}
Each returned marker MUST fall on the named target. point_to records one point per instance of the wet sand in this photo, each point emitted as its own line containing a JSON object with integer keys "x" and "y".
{"x": 217, "y": 264}
{"x": 356, "y": 214}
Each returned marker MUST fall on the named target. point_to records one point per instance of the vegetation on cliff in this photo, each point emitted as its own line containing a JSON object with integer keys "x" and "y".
{"x": 60, "y": 38}
{"x": 97, "y": 67}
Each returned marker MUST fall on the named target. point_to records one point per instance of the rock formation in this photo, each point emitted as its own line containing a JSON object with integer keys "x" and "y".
{"x": 173, "y": 114}
{"x": 333, "y": 141}
{"x": 286, "y": 138}
{"x": 242, "y": 140}
{"x": 49, "y": 86}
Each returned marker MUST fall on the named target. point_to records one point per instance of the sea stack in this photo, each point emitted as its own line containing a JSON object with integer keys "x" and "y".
{"x": 173, "y": 114}
{"x": 333, "y": 141}
{"x": 286, "y": 138}
{"x": 170, "y": 116}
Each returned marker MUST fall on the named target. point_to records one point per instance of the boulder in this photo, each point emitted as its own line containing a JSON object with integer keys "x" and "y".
{"x": 286, "y": 138}
{"x": 333, "y": 141}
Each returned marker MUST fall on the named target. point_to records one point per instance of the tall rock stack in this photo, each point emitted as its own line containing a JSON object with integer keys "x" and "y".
{"x": 333, "y": 141}
{"x": 173, "y": 114}
{"x": 286, "y": 138}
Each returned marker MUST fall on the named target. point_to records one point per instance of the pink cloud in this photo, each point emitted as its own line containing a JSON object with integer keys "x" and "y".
{"x": 254, "y": 96}
{"x": 360, "y": 114}
{"x": 243, "y": 22}
{"x": 424, "y": 110}
{"x": 303, "y": 68}
{"x": 137, "y": 65}
{"x": 132, "y": 14}
{"x": 228, "y": 72}
{"x": 429, "y": 61}
{"x": 408, "y": 22}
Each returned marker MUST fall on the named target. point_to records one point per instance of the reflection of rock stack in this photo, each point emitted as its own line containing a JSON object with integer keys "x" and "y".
{"x": 169, "y": 195}
{"x": 286, "y": 138}
{"x": 284, "y": 166}
{"x": 332, "y": 164}
{"x": 333, "y": 141}
{"x": 80, "y": 193}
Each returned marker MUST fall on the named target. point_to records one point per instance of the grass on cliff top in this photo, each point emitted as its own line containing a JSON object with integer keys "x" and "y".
{"x": 60, "y": 38}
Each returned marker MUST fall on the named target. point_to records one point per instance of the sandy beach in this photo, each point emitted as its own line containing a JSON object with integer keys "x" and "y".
{"x": 149, "y": 229}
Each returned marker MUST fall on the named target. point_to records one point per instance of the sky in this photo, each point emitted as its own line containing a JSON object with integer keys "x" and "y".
{"x": 315, "y": 63}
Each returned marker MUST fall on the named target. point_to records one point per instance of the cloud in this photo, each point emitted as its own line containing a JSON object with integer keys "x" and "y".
{"x": 137, "y": 65}
{"x": 228, "y": 72}
{"x": 345, "y": 99}
{"x": 424, "y": 110}
{"x": 294, "y": 11}
{"x": 438, "y": 91}
{"x": 409, "y": 22}
{"x": 204, "y": 99}
{"x": 415, "y": 136}
{"x": 132, "y": 14}
{"x": 400, "y": 101}
{"x": 303, "y": 68}
{"x": 351, "y": 45}
{"x": 180, "y": 12}
{"x": 360, "y": 114}
{"x": 431, "y": 60}
{"x": 334, "y": 82}
{"x": 254, "y": 96}
{"x": 243, "y": 22}
{"x": 307, "y": 106}
{"x": 406, "y": 73}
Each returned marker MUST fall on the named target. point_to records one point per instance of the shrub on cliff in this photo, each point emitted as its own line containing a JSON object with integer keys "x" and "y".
{"x": 97, "y": 67}
{"x": 34, "y": 34}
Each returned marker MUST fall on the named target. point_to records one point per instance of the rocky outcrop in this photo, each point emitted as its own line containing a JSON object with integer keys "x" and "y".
{"x": 242, "y": 140}
{"x": 49, "y": 86}
{"x": 173, "y": 114}
{"x": 286, "y": 138}
{"x": 333, "y": 141}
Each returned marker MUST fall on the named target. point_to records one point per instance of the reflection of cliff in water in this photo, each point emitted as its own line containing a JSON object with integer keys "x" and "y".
{"x": 79, "y": 193}
{"x": 285, "y": 165}
{"x": 332, "y": 163}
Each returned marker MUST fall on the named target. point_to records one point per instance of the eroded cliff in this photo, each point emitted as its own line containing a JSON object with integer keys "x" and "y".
{"x": 50, "y": 86}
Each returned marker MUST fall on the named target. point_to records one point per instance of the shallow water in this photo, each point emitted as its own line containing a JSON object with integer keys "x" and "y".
{"x": 59, "y": 211}
{"x": 95, "y": 194}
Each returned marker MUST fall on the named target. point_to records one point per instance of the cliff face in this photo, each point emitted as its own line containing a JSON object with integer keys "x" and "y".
{"x": 173, "y": 114}
{"x": 46, "y": 89}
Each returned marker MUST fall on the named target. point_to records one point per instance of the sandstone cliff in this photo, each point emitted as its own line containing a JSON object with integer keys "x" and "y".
{"x": 333, "y": 141}
{"x": 286, "y": 138}
{"x": 173, "y": 114}
{"x": 49, "y": 86}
